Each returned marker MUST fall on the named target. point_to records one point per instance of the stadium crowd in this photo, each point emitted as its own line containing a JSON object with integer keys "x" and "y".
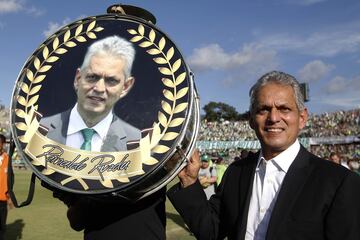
{"x": 339, "y": 123}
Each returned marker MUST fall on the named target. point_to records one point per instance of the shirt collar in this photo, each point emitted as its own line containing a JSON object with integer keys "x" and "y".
{"x": 285, "y": 158}
{"x": 76, "y": 123}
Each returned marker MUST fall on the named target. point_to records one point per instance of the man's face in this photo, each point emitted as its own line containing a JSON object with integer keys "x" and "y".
{"x": 101, "y": 85}
{"x": 335, "y": 158}
{"x": 204, "y": 164}
{"x": 276, "y": 119}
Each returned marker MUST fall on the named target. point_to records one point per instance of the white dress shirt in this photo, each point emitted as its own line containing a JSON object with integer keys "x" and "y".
{"x": 269, "y": 175}
{"x": 74, "y": 137}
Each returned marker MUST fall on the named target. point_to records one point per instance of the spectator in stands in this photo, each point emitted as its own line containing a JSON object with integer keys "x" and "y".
{"x": 220, "y": 169}
{"x": 334, "y": 157}
{"x": 354, "y": 165}
{"x": 207, "y": 176}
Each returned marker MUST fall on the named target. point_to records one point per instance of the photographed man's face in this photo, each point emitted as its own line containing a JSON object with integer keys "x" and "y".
{"x": 101, "y": 85}
{"x": 277, "y": 120}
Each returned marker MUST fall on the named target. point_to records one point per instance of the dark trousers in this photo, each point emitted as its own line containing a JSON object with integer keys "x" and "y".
{"x": 3, "y": 215}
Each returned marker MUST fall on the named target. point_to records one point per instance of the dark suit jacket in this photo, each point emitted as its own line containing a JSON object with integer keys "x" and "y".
{"x": 317, "y": 200}
{"x": 118, "y": 134}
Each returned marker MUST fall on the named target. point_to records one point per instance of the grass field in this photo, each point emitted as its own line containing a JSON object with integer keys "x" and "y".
{"x": 45, "y": 217}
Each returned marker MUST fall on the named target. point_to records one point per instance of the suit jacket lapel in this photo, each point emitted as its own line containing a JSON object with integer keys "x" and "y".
{"x": 291, "y": 187}
{"x": 246, "y": 185}
{"x": 115, "y": 138}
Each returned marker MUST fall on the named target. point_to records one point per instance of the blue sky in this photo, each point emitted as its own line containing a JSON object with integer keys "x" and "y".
{"x": 227, "y": 44}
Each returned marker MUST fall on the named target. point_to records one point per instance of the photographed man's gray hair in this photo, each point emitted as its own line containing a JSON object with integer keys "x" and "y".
{"x": 114, "y": 46}
{"x": 278, "y": 78}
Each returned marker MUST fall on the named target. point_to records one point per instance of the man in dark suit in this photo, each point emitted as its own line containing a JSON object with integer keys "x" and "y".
{"x": 102, "y": 80}
{"x": 283, "y": 192}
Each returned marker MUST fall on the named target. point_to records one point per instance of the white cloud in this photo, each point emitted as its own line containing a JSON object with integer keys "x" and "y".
{"x": 315, "y": 71}
{"x": 9, "y": 6}
{"x": 306, "y": 2}
{"x": 340, "y": 84}
{"x": 326, "y": 43}
{"x": 214, "y": 57}
{"x": 241, "y": 65}
{"x": 35, "y": 11}
{"x": 54, "y": 26}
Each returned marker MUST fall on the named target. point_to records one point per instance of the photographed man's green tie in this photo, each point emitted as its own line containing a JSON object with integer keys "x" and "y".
{"x": 87, "y": 133}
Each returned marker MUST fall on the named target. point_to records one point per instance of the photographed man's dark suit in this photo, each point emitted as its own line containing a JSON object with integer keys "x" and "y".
{"x": 317, "y": 200}
{"x": 118, "y": 134}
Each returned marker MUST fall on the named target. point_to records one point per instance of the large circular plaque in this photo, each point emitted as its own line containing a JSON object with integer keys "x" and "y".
{"x": 143, "y": 121}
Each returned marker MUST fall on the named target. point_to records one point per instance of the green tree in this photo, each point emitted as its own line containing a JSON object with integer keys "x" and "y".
{"x": 214, "y": 111}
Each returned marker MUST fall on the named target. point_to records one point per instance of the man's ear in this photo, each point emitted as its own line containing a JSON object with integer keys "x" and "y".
{"x": 77, "y": 79}
{"x": 303, "y": 118}
{"x": 252, "y": 122}
{"x": 129, "y": 83}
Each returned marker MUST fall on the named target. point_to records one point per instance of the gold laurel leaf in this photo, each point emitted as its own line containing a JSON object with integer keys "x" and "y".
{"x": 165, "y": 71}
{"x": 36, "y": 107}
{"x": 180, "y": 78}
{"x": 166, "y": 107}
{"x": 98, "y": 29}
{"x": 22, "y": 139}
{"x": 45, "y": 68}
{"x": 22, "y": 101}
{"x": 162, "y": 43}
{"x": 181, "y": 107}
{"x": 67, "y": 35}
{"x": 162, "y": 119}
{"x": 170, "y": 53}
{"x": 176, "y": 122}
{"x": 80, "y": 39}
{"x": 29, "y": 75}
{"x": 32, "y": 101}
{"x": 39, "y": 78}
{"x": 136, "y": 38}
{"x": 132, "y": 31}
{"x": 182, "y": 92}
{"x": 160, "y": 60}
{"x": 52, "y": 59}
{"x": 145, "y": 44}
{"x": 36, "y": 63}
{"x": 169, "y": 95}
{"x": 45, "y": 52}
{"x": 107, "y": 183}
{"x": 20, "y": 113}
{"x": 78, "y": 30}
{"x": 152, "y": 35}
{"x": 167, "y": 82}
{"x": 122, "y": 179}
{"x": 91, "y": 26}
{"x": 21, "y": 126}
{"x": 91, "y": 35}
{"x": 55, "y": 43}
{"x": 150, "y": 161}
{"x": 47, "y": 171}
{"x": 35, "y": 89}
{"x": 141, "y": 29}
{"x": 169, "y": 136}
{"x": 25, "y": 88}
{"x": 160, "y": 149}
{"x": 70, "y": 44}
{"x": 61, "y": 51}
{"x": 153, "y": 51}
{"x": 176, "y": 65}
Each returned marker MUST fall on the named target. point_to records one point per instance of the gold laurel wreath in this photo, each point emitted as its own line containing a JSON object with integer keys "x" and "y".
{"x": 44, "y": 64}
{"x": 171, "y": 81}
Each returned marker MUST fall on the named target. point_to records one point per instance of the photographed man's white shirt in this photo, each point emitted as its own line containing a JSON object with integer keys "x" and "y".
{"x": 74, "y": 137}
{"x": 268, "y": 178}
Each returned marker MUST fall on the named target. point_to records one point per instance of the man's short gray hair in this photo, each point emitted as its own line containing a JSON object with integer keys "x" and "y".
{"x": 114, "y": 46}
{"x": 281, "y": 78}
